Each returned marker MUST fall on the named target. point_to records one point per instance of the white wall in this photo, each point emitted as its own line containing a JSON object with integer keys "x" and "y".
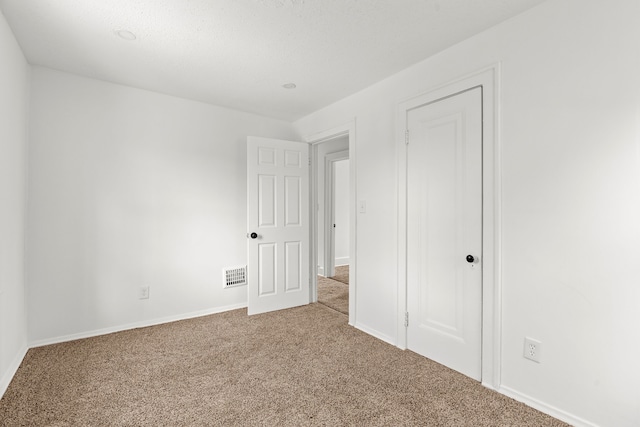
{"x": 14, "y": 101}
{"x": 341, "y": 203}
{"x": 131, "y": 188}
{"x": 570, "y": 156}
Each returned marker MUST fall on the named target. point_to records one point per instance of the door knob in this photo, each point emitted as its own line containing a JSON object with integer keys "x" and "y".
{"x": 470, "y": 259}
{"x": 254, "y": 235}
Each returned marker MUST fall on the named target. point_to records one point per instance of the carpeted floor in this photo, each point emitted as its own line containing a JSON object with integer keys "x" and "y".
{"x": 341, "y": 274}
{"x": 299, "y": 367}
{"x": 334, "y": 291}
{"x": 333, "y": 294}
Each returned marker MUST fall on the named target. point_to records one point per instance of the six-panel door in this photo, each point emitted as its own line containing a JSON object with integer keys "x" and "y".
{"x": 278, "y": 212}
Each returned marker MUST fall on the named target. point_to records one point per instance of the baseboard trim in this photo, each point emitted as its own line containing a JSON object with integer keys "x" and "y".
{"x": 547, "y": 409}
{"x": 142, "y": 324}
{"x": 12, "y": 369}
{"x": 342, "y": 261}
{"x": 375, "y": 334}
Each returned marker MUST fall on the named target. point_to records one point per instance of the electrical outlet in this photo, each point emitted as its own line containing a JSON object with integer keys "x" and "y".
{"x": 143, "y": 292}
{"x": 532, "y": 349}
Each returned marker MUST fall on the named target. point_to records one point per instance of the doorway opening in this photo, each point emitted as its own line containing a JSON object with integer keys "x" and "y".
{"x": 333, "y": 212}
{"x": 333, "y": 209}
{"x": 333, "y": 225}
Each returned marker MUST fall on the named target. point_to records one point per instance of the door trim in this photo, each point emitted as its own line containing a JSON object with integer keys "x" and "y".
{"x": 349, "y": 130}
{"x": 488, "y": 79}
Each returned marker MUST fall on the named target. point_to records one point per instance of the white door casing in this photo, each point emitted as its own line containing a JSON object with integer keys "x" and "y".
{"x": 316, "y": 139}
{"x": 278, "y": 214}
{"x": 488, "y": 79}
{"x": 444, "y": 231}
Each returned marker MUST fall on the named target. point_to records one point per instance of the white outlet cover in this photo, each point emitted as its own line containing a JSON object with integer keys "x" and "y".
{"x": 532, "y": 349}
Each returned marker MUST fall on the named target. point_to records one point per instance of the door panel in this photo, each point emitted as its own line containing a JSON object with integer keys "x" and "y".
{"x": 267, "y": 269}
{"x": 292, "y": 268}
{"x": 267, "y": 200}
{"x": 444, "y": 225}
{"x": 293, "y": 198}
{"x": 278, "y": 212}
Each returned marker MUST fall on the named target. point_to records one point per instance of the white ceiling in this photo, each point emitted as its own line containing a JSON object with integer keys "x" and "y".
{"x": 239, "y": 53}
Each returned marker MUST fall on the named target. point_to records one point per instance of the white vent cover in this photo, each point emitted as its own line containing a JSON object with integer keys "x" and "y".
{"x": 234, "y": 276}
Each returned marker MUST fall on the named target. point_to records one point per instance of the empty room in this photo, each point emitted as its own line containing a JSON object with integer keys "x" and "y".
{"x": 183, "y": 181}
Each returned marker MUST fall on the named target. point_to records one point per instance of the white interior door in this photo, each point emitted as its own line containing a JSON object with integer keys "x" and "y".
{"x": 444, "y": 231}
{"x": 277, "y": 224}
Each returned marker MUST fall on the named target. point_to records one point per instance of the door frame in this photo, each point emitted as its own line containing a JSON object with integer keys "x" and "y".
{"x": 487, "y": 79}
{"x": 349, "y": 130}
{"x": 330, "y": 209}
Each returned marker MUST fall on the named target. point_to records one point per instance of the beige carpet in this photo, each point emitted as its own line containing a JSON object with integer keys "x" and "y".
{"x": 341, "y": 274}
{"x": 298, "y": 367}
{"x": 333, "y": 294}
{"x": 334, "y": 291}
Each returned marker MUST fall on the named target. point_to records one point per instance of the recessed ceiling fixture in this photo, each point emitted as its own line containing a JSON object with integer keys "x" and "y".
{"x": 289, "y": 85}
{"x": 124, "y": 34}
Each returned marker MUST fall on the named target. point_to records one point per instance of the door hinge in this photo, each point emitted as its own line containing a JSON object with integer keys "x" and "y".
{"x": 406, "y": 319}
{"x": 406, "y": 137}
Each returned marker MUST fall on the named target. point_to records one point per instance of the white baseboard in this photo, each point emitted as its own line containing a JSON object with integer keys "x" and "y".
{"x": 375, "y": 334}
{"x": 142, "y": 324}
{"x": 11, "y": 370}
{"x": 547, "y": 409}
{"x": 321, "y": 271}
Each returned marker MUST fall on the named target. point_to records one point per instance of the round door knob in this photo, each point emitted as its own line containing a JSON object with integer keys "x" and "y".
{"x": 470, "y": 258}
{"x": 254, "y": 235}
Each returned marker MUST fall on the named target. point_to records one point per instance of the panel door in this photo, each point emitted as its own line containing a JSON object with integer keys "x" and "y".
{"x": 277, "y": 224}
{"x": 444, "y": 231}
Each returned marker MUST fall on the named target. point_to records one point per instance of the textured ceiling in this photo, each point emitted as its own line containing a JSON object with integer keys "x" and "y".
{"x": 239, "y": 53}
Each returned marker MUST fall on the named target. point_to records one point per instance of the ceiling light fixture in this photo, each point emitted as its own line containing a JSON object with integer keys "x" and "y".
{"x": 126, "y": 35}
{"x": 289, "y": 86}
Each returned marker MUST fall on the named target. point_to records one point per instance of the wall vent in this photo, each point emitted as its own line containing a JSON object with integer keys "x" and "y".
{"x": 234, "y": 276}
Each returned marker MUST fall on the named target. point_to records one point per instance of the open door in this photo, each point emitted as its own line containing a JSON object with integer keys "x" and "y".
{"x": 277, "y": 224}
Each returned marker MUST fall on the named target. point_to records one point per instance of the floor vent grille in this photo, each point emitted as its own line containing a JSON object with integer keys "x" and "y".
{"x": 234, "y": 276}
